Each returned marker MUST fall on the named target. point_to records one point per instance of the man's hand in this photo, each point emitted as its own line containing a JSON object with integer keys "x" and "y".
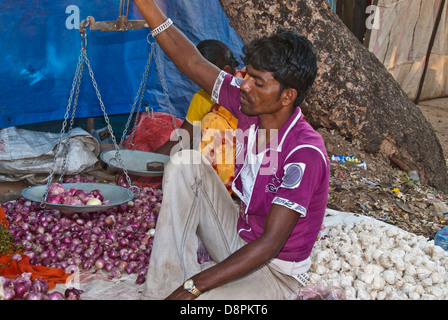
{"x": 182, "y": 52}
{"x": 181, "y": 294}
{"x": 278, "y": 227}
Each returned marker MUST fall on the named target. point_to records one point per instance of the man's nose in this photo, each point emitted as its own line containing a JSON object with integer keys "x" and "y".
{"x": 245, "y": 86}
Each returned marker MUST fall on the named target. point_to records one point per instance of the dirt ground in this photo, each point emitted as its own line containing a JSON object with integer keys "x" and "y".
{"x": 379, "y": 190}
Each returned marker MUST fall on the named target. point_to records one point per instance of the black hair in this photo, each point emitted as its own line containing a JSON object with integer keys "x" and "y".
{"x": 289, "y": 56}
{"x": 217, "y": 53}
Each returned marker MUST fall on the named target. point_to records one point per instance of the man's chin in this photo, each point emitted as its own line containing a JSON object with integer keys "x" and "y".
{"x": 247, "y": 111}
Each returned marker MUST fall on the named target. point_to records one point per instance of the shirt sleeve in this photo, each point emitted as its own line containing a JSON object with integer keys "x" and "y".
{"x": 200, "y": 105}
{"x": 226, "y": 92}
{"x": 303, "y": 173}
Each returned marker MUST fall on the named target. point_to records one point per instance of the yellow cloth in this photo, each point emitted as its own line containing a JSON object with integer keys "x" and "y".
{"x": 215, "y": 118}
{"x": 200, "y": 105}
{"x": 218, "y": 142}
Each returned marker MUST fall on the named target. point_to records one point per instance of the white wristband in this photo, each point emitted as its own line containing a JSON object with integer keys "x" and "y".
{"x": 161, "y": 28}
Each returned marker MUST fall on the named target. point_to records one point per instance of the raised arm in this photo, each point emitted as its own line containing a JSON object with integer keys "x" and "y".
{"x": 179, "y": 48}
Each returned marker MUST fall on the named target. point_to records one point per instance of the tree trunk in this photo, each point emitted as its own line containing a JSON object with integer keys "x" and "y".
{"x": 353, "y": 92}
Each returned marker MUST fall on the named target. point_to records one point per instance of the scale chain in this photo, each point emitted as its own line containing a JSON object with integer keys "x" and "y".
{"x": 72, "y": 121}
{"x": 106, "y": 118}
{"x": 165, "y": 91}
{"x": 75, "y": 84}
{"x": 140, "y": 93}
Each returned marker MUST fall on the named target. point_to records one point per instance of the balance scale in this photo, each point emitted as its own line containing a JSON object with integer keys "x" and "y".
{"x": 132, "y": 162}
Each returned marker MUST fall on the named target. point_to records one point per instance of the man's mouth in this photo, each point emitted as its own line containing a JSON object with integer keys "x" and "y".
{"x": 244, "y": 99}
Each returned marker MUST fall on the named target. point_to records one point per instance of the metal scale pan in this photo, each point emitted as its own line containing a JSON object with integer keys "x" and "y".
{"x": 136, "y": 162}
{"x": 116, "y": 194}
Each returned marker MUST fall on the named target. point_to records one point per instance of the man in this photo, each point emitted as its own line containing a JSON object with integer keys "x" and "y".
{"x": 260, "y": 250}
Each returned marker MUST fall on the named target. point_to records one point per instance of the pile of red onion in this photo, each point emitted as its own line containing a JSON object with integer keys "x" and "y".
{"x": 115, "y": 240}
{"x": 74, "y": 196}
{"x": 24, "y": 288}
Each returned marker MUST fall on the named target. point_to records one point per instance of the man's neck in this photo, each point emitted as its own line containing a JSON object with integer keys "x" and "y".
{"x": 272, "y": 123}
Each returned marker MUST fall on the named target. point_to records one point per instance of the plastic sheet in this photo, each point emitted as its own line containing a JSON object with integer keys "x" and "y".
{"x": 97, "y": 286}
{"x": 41, "y": 45}
{"x": 318, "y": 291}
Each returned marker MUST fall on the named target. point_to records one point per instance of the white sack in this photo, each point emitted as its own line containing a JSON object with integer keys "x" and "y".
{"x": 29, "y": 155}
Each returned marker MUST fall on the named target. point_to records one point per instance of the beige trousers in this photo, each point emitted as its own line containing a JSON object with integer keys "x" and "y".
{"x": 195, "y": 202}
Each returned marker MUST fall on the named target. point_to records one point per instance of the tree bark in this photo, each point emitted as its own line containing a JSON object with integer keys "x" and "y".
{"x": 353, "y": 93}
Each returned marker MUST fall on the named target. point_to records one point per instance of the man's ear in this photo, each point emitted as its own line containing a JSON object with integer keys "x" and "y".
{"x": 227, "y": 69}
{"x": 289, "y": 96}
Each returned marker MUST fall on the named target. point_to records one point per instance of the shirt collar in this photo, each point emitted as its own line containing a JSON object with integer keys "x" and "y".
{"x": 277, "y": 142}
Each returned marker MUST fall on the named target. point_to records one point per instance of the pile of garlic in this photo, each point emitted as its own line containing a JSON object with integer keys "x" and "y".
{"x": 377, "y": 261}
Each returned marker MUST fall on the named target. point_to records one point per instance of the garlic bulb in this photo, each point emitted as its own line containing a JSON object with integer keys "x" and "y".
{"x": 385, "y": 260}
{"x": 355, "y": 260}
{"x": 390, "y": 276}
{"x": 372, "y": 260}
{"x": 378, "y": 283}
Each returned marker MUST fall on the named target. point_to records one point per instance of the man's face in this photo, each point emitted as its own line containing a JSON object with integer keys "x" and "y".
{"x": 260, "y": 93}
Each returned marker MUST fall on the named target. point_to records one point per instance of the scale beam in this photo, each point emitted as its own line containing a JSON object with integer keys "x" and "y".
{"x": 121, "y": 24}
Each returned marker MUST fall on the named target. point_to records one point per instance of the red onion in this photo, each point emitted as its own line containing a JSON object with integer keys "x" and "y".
{"x": 100, "y": 263}
{"x": 16, "y": 257}
{"x": 56, "y": 188}
{"x": 55, "y": 296}
{"x": 9, "y": 294}
{"x": 47, "y": 238}
{"x": 56, "y": 228}
{"x": 60, "y": 255}
{"x": 141, "y": 279}
{"x": 115, "y": 272}
{"x": 109, "y": 266}
{"x": 96, "y": 230}
{"x": 72, "y": 191}
{"x": 88, "y": 264}
{"x": 130, "y": 266}
{"x": 83, "y": 195}
{"x": 123, "y": 207}
{"x": 39, "y": 285}
{"x": 73, "y": 294}
{"x": 21, "y": 288}
{"x": 71, "y": 200}
{"x": 45, "y": 262}
{"x": 34, "y": 296}
{"x": 123, "y": 242}
{"x": 97, "y": 194}
{"x": 122, "y": 266}
{"x": 109, "y": 220}
{"x": 112, "y": 235}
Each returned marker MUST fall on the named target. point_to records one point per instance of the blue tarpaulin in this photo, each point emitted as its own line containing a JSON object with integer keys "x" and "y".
{"x": 40, "y": 46}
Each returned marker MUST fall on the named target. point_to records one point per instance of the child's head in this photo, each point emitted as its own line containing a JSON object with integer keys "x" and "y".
{"x": 219, "y": 54}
